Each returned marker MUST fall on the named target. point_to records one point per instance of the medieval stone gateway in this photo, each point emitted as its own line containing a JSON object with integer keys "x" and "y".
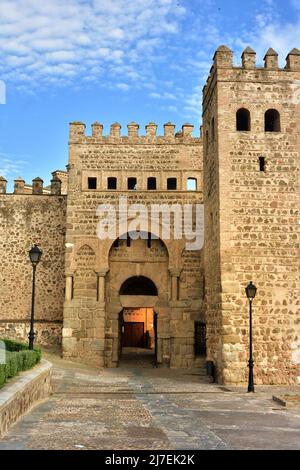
{"x": 97, "y": 297}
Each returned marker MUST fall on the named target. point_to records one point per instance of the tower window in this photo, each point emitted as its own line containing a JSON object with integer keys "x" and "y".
{"x": 192, "y": 184}
{"x": 111, "y": 183}
{"x": 262, "y": 164}
{"x": 272, "y": 121}
{"x": 151, "y": 184}
{"x": 213, "y": 129}
{"x": 92, "y": 183}
{"x": 172, "y": 184}
{"x": 243, "y": 120}
{"x": 206, "y": 141}
{"x": 200, "y": 338}
{"x": 132, "y": 183}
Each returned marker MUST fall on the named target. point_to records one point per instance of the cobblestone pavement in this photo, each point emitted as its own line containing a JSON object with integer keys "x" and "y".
{"x": 132, "y": 408}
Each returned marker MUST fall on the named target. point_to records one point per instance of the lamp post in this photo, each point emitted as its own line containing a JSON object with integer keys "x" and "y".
{"x": 250, "y": 292}
{"x": 35, "y": 255}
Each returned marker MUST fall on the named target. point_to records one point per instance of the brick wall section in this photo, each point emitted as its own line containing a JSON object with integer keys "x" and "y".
{"x": 24, "y": 221}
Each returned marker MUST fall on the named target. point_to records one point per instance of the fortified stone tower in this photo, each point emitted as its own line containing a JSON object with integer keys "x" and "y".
{"x": 251, "y": 127}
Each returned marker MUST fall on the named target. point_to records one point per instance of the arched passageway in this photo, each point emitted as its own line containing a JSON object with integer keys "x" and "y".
{"x": 138, "y": 323}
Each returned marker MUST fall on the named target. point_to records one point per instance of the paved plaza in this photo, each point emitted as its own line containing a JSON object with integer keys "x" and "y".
{"x": 139, "y": 407}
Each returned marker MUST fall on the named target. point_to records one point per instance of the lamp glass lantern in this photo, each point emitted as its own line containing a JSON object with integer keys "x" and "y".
{"x": 35, "y": 255}
{"x": 251, "y": 291}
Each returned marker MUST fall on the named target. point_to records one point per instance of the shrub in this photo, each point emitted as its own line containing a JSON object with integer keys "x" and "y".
{"x": 18, "y": 358}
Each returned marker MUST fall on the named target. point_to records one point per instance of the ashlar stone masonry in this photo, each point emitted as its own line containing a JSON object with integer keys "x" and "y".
{"x": 244, "y": 168}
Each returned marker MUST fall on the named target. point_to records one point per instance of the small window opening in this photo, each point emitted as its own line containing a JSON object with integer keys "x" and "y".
{"x": 132, "y": 184}
{"x": 200, "y": 338}
{"x": 192, "y": 184}
{"x": 92, "y": 183}
{"x": 128, "y": 241}
{"x": 262, "y": 164}
{"x": 243, "y": 120}
{"x": 116, "y": 243}
{"x": 111, "y": 183}
{"x": 172, "y": 184}
{"x": 272, "y": 121}
{"x": 213, "y": 129}
{"x": 151, "y": 184}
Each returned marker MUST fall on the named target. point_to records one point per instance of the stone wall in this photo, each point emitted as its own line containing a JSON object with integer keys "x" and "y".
{"x": 24, "y": 221}
{"x": 23, "y": 392}
{"x": 133, "y": 156}
{"x": 254, "y": 218}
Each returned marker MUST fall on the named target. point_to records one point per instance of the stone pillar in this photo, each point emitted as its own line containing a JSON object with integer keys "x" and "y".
{"x": 69, "y": 288}
{"x": 271, "y": 59}
{"x": 97, "y": 129}
{"x": 293, "y": 60}
{"x": 169, "y": 129}
{"x": 133, "y": 130}
{"x": 115, "y": 130}
{"x": 101, "y": 285}
{"x": 56, "y": 186}
{"x": 3, "y": 183}
{"x": 19, "y": 186}
{"x": 175, "y": 274}
{"x": 187, "y": 130}
{"x": 37, "y": 186}
{"x": 223, "y": 57}
{"x": 249, "y": 58}
{"x": 151, "y": 129}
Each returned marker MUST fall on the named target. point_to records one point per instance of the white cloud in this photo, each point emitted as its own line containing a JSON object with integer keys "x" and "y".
{"x": 11, "y": 165}
{"x": 58, "y": 35}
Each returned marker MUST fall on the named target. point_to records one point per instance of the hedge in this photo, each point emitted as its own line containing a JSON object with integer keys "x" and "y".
{"x": 18, "y": 358}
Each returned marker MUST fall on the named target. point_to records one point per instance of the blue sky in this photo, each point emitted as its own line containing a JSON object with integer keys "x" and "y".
{"x": 115, "y": 60}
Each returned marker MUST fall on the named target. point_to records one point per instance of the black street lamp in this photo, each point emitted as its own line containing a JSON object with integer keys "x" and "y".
{"x": 250, "y": 292}
{"x": 35, "y": 255}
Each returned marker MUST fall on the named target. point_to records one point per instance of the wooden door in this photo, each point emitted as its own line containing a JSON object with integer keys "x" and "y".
{"x": 133, "y": 335}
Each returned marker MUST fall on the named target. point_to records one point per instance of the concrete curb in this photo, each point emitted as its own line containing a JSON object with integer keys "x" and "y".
{"x": 23, "y": 392}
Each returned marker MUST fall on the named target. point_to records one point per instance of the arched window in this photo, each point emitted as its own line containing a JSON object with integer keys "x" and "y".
{"x": 243, "y": 120}
{"x": 272, "y": 121}
{"x": 111, "y": 183}
{"x": 151, "y": 184}
{"x": 192, "y": 184}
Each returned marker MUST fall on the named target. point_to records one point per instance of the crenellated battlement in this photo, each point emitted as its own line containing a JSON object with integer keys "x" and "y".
{"x": 185, "y": 135}
{"x": 223, "y": 63}
{"x": 36, "y": 188}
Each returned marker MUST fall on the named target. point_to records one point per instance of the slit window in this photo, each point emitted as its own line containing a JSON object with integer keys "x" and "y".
{"x": 132, "y": 184}
{"x": 262, "y": 164}
{"x": 243, "y": 120}
{"x": 111, "y": 183}
{"x": 172, "y": 184}
{"x": 213, "y": 129}
{"x": 200, "y": 338}
{"x": 92, "y": 183}
{"x": 151, "y": 184}
{"x": 272, "y": 121}
{"x": 192, "y": 184}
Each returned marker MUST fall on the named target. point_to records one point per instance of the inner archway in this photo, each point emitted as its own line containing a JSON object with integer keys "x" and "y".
{"x": 138, "y": 323}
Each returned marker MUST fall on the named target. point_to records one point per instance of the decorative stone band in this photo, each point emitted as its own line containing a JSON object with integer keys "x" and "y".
{"x": 22, "y": 393}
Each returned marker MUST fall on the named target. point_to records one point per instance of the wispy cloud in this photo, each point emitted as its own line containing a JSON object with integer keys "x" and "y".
{"x": 42, "y": 43}
{"x": 12, "y": 165}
